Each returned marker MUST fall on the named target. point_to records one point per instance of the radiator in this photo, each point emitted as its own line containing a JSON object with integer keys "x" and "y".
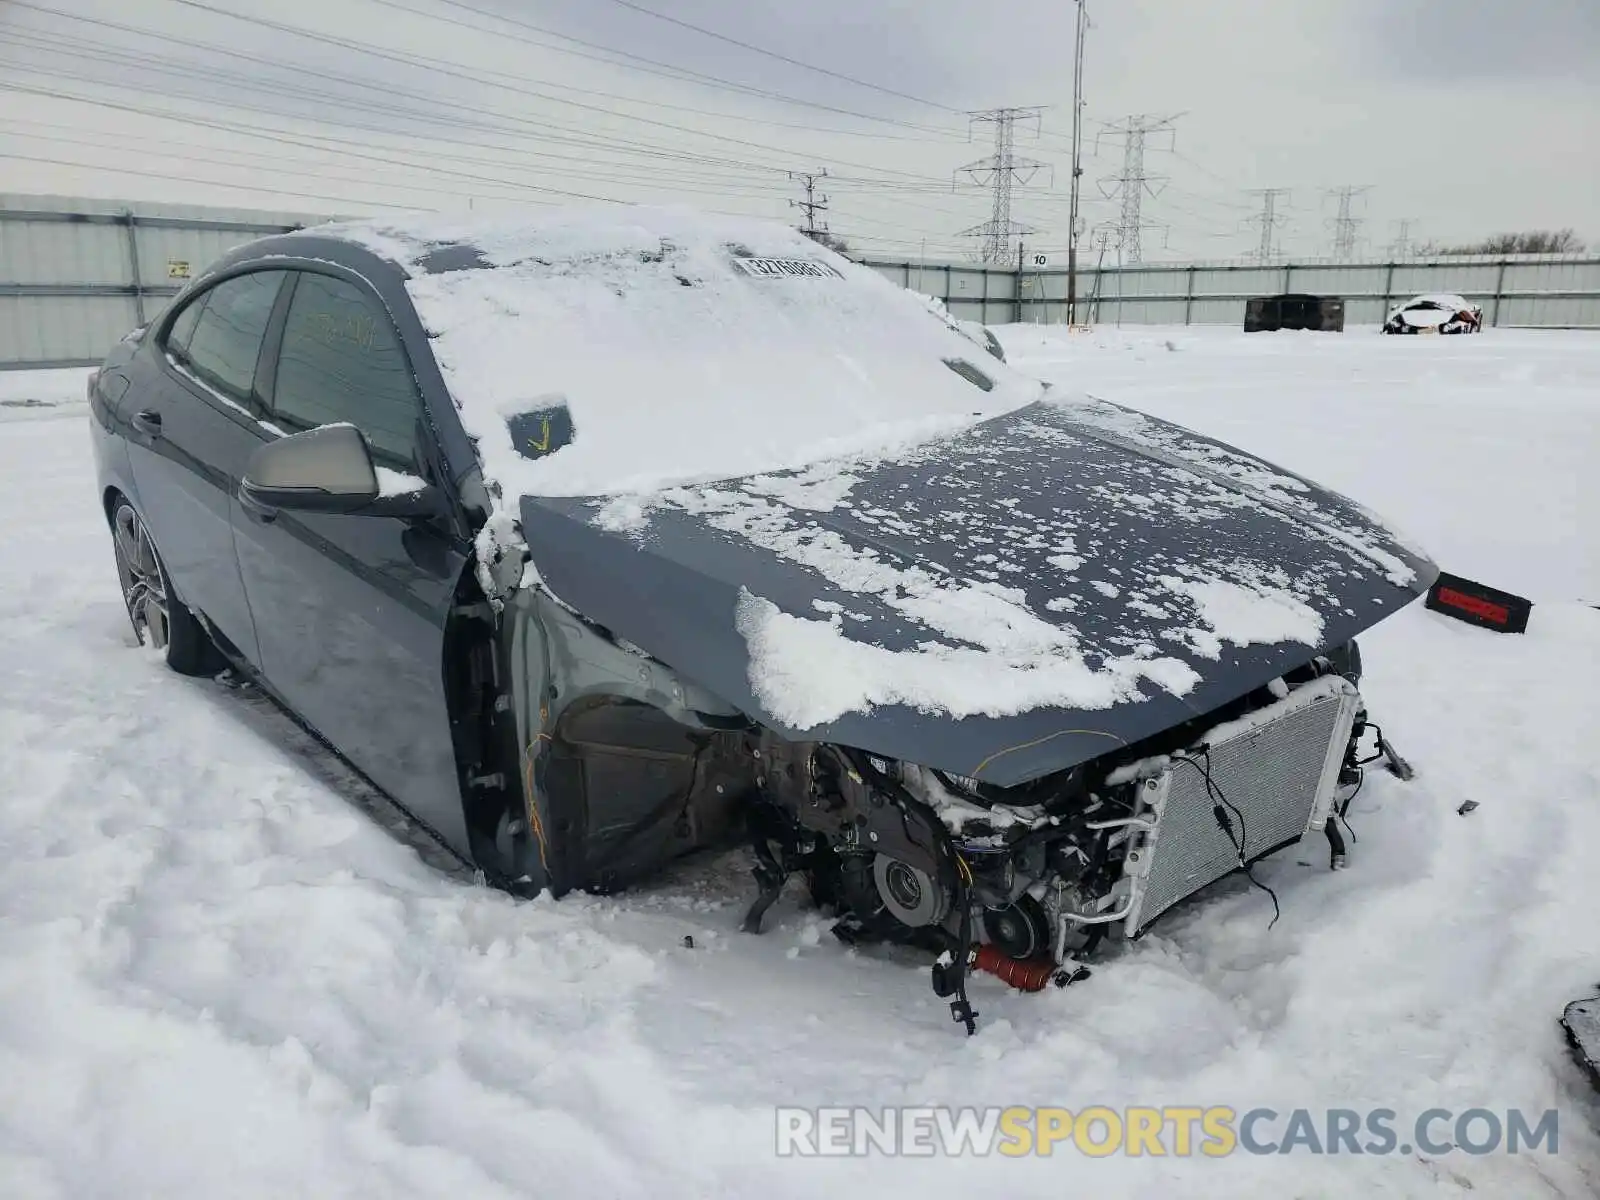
{"x": 1278, "y": 769}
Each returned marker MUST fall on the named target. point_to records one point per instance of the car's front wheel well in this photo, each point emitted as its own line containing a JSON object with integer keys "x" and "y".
{"x": 482, "y": 729}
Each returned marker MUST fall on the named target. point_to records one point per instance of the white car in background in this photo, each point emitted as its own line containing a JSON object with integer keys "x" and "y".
{"x": 1438, "y": 312}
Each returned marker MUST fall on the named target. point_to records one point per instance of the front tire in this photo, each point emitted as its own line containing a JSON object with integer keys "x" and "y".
{"x": 160, "y": 619}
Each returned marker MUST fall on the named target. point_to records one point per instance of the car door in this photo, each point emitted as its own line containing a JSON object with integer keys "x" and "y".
{"x": 191, "y": 428}
{"x": 351, "y": 609}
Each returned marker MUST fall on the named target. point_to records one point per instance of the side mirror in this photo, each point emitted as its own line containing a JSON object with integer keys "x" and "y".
{"x": 330, "y": 470}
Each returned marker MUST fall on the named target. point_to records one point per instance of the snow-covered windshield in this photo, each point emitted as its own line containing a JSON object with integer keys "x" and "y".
{"x": 621, "y": 351}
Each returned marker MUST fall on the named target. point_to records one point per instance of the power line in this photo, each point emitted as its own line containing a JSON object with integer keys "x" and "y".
{"x": 722, "y": 37}
{"x": 1134, "y": 181}
{"x": 424, "y": 170}
{"x": 1270, "y": 218}
{"x": 449, "y": 117}
{"x": 614, "y": 145}
{"x": 549, "y": 131}
{"x": 1001, "y": 170}
{"x": 460, "y": 71}
{"x": 652, "y": 66}
{"x": 218, "y": 157}
{"x": 1344, "y": 225}
{"x": 404, "y": 157}
{"x": 381, "y": 159}
{"x": 169, "y": 177}
{"x": 332, "y": 144}
{"x": 185, "y": 71}
{"x": 384, "y": 157}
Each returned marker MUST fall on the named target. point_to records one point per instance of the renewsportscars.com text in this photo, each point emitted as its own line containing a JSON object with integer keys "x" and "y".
{"x": 1169, "y": 1131}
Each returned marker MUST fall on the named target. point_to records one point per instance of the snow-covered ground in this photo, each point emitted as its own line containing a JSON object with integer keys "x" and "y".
{"x": 34, "y": 393}
{"x": 226, "y": 971}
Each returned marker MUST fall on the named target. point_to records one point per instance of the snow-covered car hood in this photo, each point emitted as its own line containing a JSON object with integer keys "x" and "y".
{"x": 1030, "y": 592}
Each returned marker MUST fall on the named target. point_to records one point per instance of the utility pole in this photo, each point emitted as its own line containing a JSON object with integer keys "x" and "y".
{"x": 1344, "y": 225}
{"x": 1021, "y": 248}
{"x": 1103, "y": 240}
{"x": 812, "y": 204}
{"x": 1077, "y": 161}
{"x": 1269, "y": 217}
{"x": 1001, "y": 170}
{"x": 1134, "y": 182}
{"x": 1402, "y": 246}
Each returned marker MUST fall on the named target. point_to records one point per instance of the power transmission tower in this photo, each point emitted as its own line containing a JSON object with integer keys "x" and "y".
{"x": 1402, "y": 244}
{"x": 1344, "y": 225}
{"x": 1134, "y": 182}
{"x": 1001, "y": 171}
{"x": 1270, "y": 219}
{"x": 1077, "y": 162}
{"x": 812, "y": 204}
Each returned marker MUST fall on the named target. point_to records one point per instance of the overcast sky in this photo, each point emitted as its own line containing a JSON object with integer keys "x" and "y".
{"x": 1466, "y": 117}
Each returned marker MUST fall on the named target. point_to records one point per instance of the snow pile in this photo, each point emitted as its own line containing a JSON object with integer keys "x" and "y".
{"x": 674, "y": 362}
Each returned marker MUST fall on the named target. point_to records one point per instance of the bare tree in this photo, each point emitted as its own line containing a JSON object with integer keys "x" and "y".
{"x": 1537, "y": 241}
{"x": 831, "y": 240}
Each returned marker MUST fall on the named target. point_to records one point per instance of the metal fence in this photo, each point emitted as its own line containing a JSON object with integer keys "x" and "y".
{"x": 77, "y": 274}
{"x": 1539, "y": 291}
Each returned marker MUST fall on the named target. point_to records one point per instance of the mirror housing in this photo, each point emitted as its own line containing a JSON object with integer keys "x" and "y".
{"x": 328, "y": 470}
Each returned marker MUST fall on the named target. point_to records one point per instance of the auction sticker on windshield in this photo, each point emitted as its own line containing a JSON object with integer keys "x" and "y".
{"x": 775, "y": 267}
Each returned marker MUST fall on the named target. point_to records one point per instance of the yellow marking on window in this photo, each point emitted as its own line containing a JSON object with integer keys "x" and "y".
{"x": 542, "y": 445}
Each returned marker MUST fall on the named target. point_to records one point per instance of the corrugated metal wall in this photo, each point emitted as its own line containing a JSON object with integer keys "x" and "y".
{"x": 972, "y": 293}
{"x": 77, "y": 274}
{"x": 1525, "y": 291}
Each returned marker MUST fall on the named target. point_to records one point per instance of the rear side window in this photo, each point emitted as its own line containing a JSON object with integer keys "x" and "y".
{"x": 226, "y": 339}
{"x": 183, "y": 328}
{"x": 342, "y": 361}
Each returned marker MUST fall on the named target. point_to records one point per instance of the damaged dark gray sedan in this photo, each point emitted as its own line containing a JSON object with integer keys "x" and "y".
{"x": 600, "y": 539}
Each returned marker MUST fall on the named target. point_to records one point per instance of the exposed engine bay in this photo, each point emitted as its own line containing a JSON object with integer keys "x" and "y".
{"x": 1024, "y": 882}
{"x": 640, "y": 767}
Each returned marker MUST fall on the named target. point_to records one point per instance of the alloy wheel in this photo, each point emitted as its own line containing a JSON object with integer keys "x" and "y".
{"x": 143, "y": 586}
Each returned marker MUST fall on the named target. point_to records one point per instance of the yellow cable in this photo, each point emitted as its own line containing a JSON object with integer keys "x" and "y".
{"x": 978, "y": 770}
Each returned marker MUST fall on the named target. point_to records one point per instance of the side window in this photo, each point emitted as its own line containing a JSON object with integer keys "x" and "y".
{"x": 226, "y": 339}
{"x": 342, "y": 361}
{"x": 183, "y": 329}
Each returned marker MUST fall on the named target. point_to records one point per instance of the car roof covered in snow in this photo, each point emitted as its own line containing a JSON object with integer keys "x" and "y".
{"x": 665, "y": 346}
{"x": 1442, "y": 299}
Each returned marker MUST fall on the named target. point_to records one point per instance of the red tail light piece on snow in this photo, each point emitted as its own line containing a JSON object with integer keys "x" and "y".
{"x": 1478, "y": 604}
